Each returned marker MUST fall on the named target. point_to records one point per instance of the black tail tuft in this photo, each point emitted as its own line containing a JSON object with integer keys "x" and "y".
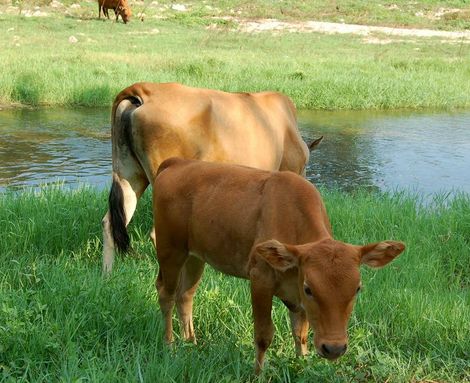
{"x": 118, "y": 218}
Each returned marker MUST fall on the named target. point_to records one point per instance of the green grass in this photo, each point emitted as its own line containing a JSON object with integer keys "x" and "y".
{"x": 60, "y": 321}
{"x": 41, "y": 67}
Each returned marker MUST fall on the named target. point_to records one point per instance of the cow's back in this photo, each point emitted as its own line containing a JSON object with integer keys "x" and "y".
{"x": 252, "y": 129}
{"x": 109, "y": 4}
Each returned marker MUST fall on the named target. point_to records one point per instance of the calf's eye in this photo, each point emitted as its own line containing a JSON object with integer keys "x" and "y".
{"x": 308, "y": 291}
{"x": 358, "y": 289}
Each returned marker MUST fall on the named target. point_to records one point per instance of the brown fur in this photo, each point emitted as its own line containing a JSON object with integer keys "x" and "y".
{"x": 268, "y": 227}
{"x": 152, "y": 122}
{"x": 120, "y": 8}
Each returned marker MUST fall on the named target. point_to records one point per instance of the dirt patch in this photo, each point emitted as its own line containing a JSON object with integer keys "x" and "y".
{"x": 445, "y": 12}
{"x": 272, "y": 25}
{"x": 154, "y": 31}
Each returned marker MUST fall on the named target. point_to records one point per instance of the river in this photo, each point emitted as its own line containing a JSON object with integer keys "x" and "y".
{"x": 425, "y": 152}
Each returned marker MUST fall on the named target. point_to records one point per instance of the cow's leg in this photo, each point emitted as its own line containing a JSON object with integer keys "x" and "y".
{"x": 99, "y": 11}
{"x": 190, "y": 277}
{"x": 299, "y": 324}
{"x": 261, "y": 300}
{"x": 132, "y": 188}
{"x": 171, "y": 263}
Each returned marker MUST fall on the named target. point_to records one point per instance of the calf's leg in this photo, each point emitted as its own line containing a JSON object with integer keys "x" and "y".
{"x": 261, "y": 300}
{"x": 171, "y": 264}
{"x": 299, "y": 325}
{"x": 189, "y": 281}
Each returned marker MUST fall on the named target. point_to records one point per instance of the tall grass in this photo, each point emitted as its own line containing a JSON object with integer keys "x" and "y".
{"x": 41, "y": 67}
{"x": 61, "y": 321}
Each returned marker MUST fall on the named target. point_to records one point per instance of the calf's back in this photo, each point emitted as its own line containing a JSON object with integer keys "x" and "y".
{"x": 220, "y": 212}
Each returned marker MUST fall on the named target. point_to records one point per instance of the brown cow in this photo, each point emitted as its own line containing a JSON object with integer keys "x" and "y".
{"x": 152, "y": 122}
{"x": 120, "y": 8}
{"x": 268, "y": 227}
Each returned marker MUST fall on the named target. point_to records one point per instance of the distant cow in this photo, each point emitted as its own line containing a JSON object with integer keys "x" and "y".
{"x": 152, "y": 122}
{"x": 120, "y": 8}
{"x": 269, "y": 227}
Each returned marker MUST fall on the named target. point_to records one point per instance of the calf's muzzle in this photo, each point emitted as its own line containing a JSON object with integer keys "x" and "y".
{"x": 332, "y": 351}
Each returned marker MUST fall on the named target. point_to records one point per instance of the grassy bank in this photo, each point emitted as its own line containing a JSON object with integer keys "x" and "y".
{"x": 79, "y": 60}
{"x": 434, "y": 14}
{"x": 59, "y": 320}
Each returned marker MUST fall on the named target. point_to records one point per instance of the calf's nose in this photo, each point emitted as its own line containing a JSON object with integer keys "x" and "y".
{"x": 333, "y": 351}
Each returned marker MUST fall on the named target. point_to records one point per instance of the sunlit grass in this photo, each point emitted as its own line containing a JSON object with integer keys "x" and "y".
{"x": 60, "y": 320}
{"x": 41, "y": 67}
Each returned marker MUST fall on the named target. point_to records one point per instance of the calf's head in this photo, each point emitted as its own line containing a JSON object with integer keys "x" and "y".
{"x": 328, "y": 282}
{"x": 125, "y": 11}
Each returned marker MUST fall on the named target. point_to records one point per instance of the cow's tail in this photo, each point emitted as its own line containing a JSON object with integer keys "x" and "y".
{"x": 123, "y": 107}
{"x": 117, "y": 217}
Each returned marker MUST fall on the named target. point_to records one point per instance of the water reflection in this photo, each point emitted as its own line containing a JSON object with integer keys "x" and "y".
{"x": 50, "y": 145}
{"x": 423, "y": 151}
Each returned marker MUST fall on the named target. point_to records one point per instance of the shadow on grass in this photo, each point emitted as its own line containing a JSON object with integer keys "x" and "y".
{"x": 94, "y": 17}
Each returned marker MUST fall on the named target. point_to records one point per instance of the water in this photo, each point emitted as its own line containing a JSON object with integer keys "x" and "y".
{"x": 50, "y": 145}
{"x": 426, "y": 152}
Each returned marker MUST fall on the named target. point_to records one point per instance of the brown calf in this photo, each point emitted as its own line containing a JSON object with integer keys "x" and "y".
{"x": 268, "y": 227}
{"x": 120, "y": 8}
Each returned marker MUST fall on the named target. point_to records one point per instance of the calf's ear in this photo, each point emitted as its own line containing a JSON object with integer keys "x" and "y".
{"x": 280, "y": 256}
{"x": 313, "y": 145}
{"x": 381, "y": 253}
